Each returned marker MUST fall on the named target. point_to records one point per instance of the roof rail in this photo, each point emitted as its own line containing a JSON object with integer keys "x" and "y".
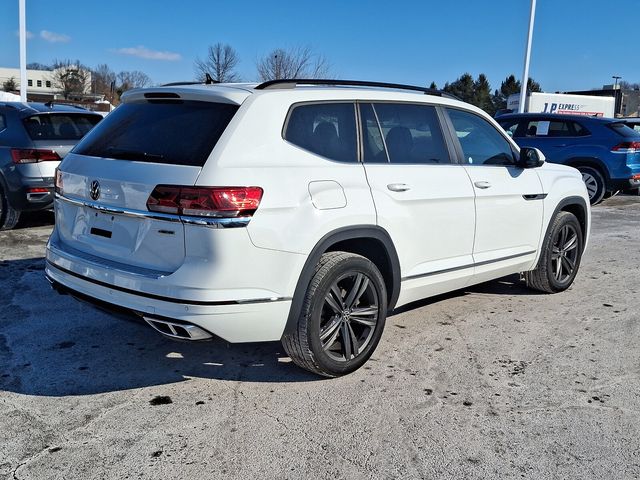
{"x": 293, "y": 82}
{"x": 208, "y": 80}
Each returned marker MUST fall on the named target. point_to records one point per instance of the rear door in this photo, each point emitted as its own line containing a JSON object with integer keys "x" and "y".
{"x": 106, "y": 181}
{"x": 508, "y": 199}
{"x": 422, "y": 199}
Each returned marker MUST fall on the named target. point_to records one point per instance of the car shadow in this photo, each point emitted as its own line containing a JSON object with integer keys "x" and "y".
{"x": 55, "y": 345}
{"x": 40, "y": 218}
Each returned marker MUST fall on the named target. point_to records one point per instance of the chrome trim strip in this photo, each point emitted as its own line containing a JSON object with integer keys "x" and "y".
{"x": 463, "y": 267}
{"x": 215, "y": 222}
{"x": 163, "y": 298}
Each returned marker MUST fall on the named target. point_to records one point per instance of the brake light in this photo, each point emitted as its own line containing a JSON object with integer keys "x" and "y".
{"x": 37, "y": 190}
{"x": 627, "y": 147}
{"x": 33, "y": 155}
{"x": 205, "y": 201}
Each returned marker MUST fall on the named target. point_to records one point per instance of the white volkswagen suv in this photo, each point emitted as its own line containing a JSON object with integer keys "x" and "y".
{"x": 304, "y": 211}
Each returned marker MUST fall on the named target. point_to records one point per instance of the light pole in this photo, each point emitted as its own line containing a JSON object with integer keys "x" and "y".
{"x": 23, "y": 51}
{"x": 615, "y": 93}
{"x": 527, "y": 57}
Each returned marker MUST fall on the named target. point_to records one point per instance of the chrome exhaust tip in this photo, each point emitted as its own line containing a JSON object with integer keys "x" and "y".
{"x": 182, "y": 331}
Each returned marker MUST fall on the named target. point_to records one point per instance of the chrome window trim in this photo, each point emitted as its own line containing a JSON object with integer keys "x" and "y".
{"x": 213, "y": 222}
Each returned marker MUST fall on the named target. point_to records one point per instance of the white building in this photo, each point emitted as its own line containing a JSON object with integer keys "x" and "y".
{"x": 40, "y": 83}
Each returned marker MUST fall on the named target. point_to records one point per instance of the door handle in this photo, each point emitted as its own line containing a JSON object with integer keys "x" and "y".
{"x": 398, "y": 187}
{"x": 482, "y": 184}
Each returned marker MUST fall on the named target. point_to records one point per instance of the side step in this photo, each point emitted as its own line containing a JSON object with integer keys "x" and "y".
{"x": 183, "y": 331}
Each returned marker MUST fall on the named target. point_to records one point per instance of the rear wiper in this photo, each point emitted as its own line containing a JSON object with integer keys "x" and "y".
{"x": 125, "y": 154}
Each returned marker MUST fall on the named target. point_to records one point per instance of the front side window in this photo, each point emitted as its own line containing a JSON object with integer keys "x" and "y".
{"x": 326, "y": 129}
{"x": 481, "y": 142}
{"x": 411, "y": 133}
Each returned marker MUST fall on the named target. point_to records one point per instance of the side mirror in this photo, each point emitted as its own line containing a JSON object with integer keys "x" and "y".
{"x": 531, "y": 158}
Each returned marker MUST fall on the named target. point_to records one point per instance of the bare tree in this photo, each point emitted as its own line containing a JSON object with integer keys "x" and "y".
{"x": 72, "y": 78}
{"x": 132, "y": 79}
{"x": 220, "y": 63}
{"x": 298, "y": 62}
{"x": 103, "y": 78}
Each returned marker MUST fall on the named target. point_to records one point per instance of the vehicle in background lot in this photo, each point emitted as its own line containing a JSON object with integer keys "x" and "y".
{"x": 564, "y": 104}
{"x": 34, "y": 137}
{"x": 304, "y": 211}
{"x": 605, "y": 150}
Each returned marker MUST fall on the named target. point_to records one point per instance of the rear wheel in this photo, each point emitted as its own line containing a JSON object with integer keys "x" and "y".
{"x": 594, "y": 181}
{"x": 342, "y": 318}
{"x": 9, "y": 216}
{"x": 560, "y": 257}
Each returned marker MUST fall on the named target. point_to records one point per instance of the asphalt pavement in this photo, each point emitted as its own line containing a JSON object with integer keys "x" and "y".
{"x": 495, "y": 381}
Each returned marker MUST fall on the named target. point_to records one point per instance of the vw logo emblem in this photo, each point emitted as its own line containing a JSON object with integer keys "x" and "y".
{"x": 94, "y": 191}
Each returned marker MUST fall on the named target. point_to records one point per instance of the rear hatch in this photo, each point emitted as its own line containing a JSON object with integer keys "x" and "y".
{"x": 110, "y": 175}
{"x": 58, "y": 132}
{"x": 629, "y": 143}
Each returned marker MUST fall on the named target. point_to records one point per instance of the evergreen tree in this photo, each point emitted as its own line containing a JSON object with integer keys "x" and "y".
{"x": 482, "y": 94}
{"x": 463, "y": 88}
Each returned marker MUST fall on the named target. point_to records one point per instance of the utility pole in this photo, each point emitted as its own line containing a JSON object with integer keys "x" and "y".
{"x": 615, "y": 93}
{"x": 23, "y": 51}
{"x": 527, "y": 57}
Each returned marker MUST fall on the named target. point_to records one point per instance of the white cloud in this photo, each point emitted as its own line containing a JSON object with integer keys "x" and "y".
{"x": 53, "y": 37}
{"x": 143, "y": 52}
{"x": 29, "y": 34}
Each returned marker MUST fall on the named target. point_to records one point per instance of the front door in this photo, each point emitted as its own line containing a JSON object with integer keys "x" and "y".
{"x": 508, "y": 199}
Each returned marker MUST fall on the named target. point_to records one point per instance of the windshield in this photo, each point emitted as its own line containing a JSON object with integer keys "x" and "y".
{"x": 60, "y": 126}
{"x": 173, "y": 132}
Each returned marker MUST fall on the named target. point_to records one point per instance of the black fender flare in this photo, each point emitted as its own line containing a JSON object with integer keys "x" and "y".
{"x": 565, "y": 202}
{"x": 593, "y": 162}
{"x": 345, "y": 233}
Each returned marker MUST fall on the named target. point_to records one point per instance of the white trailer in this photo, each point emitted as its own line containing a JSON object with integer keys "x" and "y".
{"x": 562, "y": 103}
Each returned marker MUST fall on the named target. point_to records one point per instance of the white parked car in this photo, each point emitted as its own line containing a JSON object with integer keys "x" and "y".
{"x": 304, "y": 211}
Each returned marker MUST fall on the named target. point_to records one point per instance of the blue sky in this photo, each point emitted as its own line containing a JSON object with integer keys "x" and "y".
{"x": 578, "y": 44}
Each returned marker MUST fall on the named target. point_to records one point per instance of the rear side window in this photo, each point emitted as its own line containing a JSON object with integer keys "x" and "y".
{"x": 481, "y": 142}
{"x": 411, "y": 133}
{"x": 326, "y": 129}
{"x": 3, "y": 123}
{"x": 59, "y": 126}
{"x": 173, "y": 132}
{"x": 623, "y": 129}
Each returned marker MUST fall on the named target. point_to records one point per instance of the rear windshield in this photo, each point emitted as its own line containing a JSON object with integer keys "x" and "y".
{"x": 174, "y": 132}
{"x": 59, "y": 126}
{"x": 624, "y": 129}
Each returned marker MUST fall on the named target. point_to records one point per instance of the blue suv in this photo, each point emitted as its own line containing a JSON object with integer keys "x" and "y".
{"x": 605, "y": 150}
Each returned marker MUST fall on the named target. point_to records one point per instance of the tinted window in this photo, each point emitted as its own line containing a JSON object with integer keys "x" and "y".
{"x": 580, "y": 130}
{"x": 59, "y": 126}
{"x": 510, "y": 127}
{"x": 180, "y": 133}
{"x": 481, "y": 143}
{"x": 3, "y": 123}
{"x": 326, "y": 129}
{"x": 374, "y": 151}
{"x": 412, "y": 133}
{"x": 623, "y": 129}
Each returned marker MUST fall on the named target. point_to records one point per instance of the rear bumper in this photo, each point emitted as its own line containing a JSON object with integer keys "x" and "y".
{"x": 199, "y": 292}
{"x": 234, "y": 321}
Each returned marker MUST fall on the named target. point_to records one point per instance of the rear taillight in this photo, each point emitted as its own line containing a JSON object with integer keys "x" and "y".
{"x": 627, "y": 147}
{"x": 33, "y": 155}
{"x": 205, "y": 201}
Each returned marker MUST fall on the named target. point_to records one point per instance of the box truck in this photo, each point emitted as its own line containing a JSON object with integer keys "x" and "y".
{"x": 562, "y": 103}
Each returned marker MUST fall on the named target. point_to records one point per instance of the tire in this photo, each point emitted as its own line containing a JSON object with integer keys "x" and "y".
{"x": 562, "y": 249}
{"x": 9, "y": 216}
{"x": 343, "y": 284}
{"x": 595, "y": 183}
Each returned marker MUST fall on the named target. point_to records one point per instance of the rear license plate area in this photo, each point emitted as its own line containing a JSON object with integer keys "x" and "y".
{"x": 101, "y": 232}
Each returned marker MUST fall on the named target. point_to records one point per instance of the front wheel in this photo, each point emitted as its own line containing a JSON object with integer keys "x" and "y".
{"x": 560, "y": 257}
{"x": 342, "y": 318}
